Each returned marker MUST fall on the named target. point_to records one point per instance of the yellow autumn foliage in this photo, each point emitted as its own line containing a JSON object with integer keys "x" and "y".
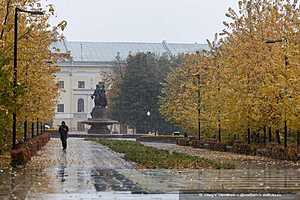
{"x": 37, "y": 97}
{"x": 250, "y": 76}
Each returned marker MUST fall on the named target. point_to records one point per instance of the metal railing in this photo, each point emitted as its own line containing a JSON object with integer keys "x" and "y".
{"x": 29, "y": 130}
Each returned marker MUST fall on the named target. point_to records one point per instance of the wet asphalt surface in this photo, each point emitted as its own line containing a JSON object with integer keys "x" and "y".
{"x": 91, "y": 171}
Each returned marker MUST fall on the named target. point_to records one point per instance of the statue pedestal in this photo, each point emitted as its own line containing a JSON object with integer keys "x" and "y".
{"x": 99, "y": 121}
{"x": 99, "y": 113}
{"x": 98, "y": 128}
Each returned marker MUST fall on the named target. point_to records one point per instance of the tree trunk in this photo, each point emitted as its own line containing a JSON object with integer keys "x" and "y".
{"x": 249, "y": 135}
{"x": 298, "y": 139}
{"x": 285, "y": 133}
{"x": 219, "y": 130}
{"x": 258, "y": 138}
{"x": 270, "y": 134}
{"x": 278, "y": 137}
{"x": 265, "y": 135}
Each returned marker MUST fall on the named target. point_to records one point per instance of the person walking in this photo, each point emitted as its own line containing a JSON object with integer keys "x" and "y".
{"x": 63, "y": 131}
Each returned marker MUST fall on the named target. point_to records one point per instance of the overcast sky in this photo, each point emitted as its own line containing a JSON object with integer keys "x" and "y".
{"x": 142, "y": 20}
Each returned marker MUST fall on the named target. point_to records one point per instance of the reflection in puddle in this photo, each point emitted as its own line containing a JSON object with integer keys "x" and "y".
{"x": 215, "y": 180}
{"x": 62, "y": 166}
{"x": 112, "y": 180}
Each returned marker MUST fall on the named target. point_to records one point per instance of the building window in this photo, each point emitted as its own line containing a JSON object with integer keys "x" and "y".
{"x": 60, "y": 108}
{"x": 80, "y": 105}
{"x": 61, "y": 84}
{"x": 81, "y": 84}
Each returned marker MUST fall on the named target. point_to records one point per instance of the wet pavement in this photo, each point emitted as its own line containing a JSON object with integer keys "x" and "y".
{"x": 91, "y": 171}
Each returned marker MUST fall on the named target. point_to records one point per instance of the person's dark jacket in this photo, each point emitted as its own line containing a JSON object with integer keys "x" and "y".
{"x": 63, "y": 131}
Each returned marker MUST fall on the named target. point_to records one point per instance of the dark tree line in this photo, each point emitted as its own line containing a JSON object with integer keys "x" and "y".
{"x": 138, "y": 92}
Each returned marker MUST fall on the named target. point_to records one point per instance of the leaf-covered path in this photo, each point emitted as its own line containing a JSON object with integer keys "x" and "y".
{"x": 240, "y": 161}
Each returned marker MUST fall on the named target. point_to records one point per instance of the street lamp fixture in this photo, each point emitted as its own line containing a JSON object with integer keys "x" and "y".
{"x": 32, "y": 12}
{"x": 150, "y": 123}
{"x": 286, "y": 63}
{"x": 15, "y": 68}
{"x": 199, "y": 103}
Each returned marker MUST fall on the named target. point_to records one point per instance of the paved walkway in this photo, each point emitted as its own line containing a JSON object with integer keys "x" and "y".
{"x": 91, "y": 171}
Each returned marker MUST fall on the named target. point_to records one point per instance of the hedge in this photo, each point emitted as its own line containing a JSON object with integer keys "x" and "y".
{"x": 23, "y": 152}
{"x": 274, "y": 151}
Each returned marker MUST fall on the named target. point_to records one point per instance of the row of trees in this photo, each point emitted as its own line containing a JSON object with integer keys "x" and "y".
{"x": 36, "y": 90}
{"x": 250, "y": 76}
{"x": 136, "y": 90}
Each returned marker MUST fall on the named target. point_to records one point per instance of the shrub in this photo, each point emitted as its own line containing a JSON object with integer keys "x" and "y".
{"x": 292, "y": 153}
{"x": 183, "y": 142}
{"x": 282, "y": 153}
{"x": 197, "y": 143}
{"x": 209, "y": 144}
{"x": 278, "y": 152}
{"x": 274, "y": 151}
{"x": 219, "y": 146}
{"x": 242, "y": 148}
{"x": 213, "y": 144}
{"x": 23, "y": 152}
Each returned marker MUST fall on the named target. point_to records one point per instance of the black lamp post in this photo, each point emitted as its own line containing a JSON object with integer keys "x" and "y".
{"x": 286, "y": 62}
{"x": 199, "y": 103}
{"x": 15, "y": 69}
{"x": 150, "y": 124}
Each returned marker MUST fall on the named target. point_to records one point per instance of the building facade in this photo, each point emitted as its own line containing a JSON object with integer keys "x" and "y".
{"x": 84, "y": 64}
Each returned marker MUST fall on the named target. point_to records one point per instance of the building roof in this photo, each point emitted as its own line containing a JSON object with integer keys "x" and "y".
{"x": 108, "y": 51}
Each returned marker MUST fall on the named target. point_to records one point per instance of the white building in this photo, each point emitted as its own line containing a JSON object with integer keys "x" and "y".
{"x": 84, "y": 64}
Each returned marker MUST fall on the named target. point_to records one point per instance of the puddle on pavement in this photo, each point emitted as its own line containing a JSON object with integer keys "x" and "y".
{"x": 112, "y": 180}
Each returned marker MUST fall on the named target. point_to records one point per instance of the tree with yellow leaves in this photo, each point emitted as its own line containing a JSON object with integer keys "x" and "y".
{"x": 251, "y": 77}
{"x": 262, "y": 74}
{"x": 37, "y": 90}
{"x": 179, "y": 97}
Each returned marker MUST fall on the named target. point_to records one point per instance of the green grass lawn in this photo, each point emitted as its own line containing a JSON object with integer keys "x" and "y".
{"x": 152, "y": 158}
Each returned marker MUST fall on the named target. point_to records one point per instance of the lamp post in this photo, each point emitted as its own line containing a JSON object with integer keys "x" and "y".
{"x": 149, "y": 115}
{"x": 199, "y": 103}
{"x": 286, "y": 62}
{"x": 15, "y": 68}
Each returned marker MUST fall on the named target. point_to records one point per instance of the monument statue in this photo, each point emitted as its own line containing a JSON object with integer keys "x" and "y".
{"x": 99, "y": 120}
{"x": 99, "y": 96}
